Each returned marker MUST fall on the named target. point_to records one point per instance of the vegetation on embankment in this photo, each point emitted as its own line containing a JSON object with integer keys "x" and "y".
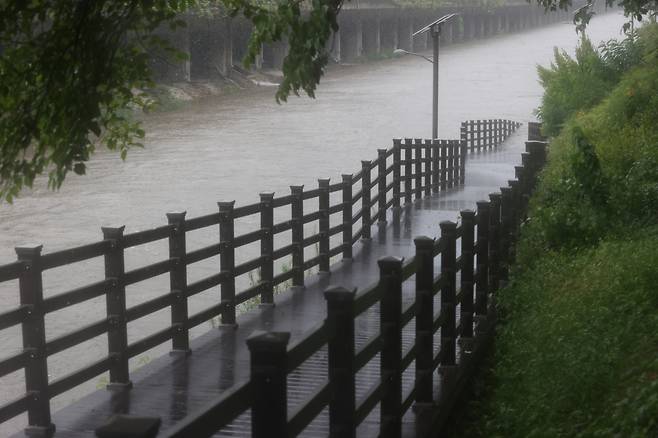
{"x": 576, "y": 352}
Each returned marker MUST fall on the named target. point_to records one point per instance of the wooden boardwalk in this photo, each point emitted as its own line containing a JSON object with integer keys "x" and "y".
{"x": 172, "y": 387}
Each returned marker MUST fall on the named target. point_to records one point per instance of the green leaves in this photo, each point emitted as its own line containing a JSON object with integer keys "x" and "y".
{"x": 70, "y": 72}
{"x": 67, "y": 75}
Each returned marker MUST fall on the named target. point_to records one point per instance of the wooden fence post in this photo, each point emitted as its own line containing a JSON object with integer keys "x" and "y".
{"x": 407, "y": 169}
{"x": 468, "y": 256}
{"x": 428, "y": 168}
{"x": 505, "y": 230}
{"x": 390, "y": 281}
{"x": 323, "y": 224}
{"x": 34, "y": 343}
{"x": 269, "y": 408}
{"x": 365, "y": 199}
{"x": 117, "y": 335}
{"x": 436, "y": 165}
{"x": 418, "y": 168}
{"x": 448, "y": 293}
{"x": 381, "y": 186}
{"x": 494, "y": 242}
{"x": 267, "y": 248}
{"x": 424, "y": 320}
{"x": 455, "y": 162}
{"x": 397, "y": 165}
{"x": 479, "y": 135}
{"x": 448, "y": 349}
{"x": 444, "y": 165}
{"x": 129, "y": 426}
{"x": 482, "y": 252}
{"x": 462, "y": 161}
{"x": 180, "y": 342}
{"x": 515, "y": 220}
{"x": 227, "y": 260}
{"x": 297, "y": 235}
{"x": 347, "y": 216}
{"x": 340, "y": 325}
{"x": 527, "y": 178}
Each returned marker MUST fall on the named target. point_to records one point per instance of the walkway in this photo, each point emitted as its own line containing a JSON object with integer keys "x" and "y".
{"x": 171, "y": 387}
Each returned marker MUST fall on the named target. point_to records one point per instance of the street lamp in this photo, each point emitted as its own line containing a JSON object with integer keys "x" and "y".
{"x": 435, "y": 29}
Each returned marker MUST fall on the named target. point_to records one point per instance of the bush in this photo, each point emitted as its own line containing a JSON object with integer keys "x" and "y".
{"x": 603, "y": 166}
{"x": 577, "y": 348}
{"x": 576, "y": 352}
{"x": 572, "y": 84}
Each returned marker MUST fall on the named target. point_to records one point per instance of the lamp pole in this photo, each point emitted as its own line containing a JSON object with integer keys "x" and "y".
{"x": 436, "y": 31}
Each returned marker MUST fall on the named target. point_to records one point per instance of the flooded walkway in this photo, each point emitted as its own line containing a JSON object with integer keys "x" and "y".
{"x": 173, "y": 387}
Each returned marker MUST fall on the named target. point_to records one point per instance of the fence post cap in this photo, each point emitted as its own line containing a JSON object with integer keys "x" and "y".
{"x": 381, "y": 151}
{"x": 397, "y": 141}
{"x": 226, "y": 205}
{"x": 127, "y": 426}
{"x": 365, "y": 163}
{"x": 176, "y": 216}
{"x": 28, "y": 251}
{"x": 339, "y": 293}
{"x": 495, "y": 197}
{"x": 268, "y": 341}
{"x": 448, "y": 226}
{"x": 296, "y": 190}
{"x": 423, "y": 242}
{"x": 346, "y": 176}
{"x": 266, "y": 196}
{"x": 467, "y": 214}
{"x": 113, "y": 232}
{"x": 390, "y": 263}
{"x": 505, "y": 190}
{"x": 322, "y": 182}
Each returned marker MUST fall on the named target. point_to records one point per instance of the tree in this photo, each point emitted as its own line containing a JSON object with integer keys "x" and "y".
{"x": 71, "y": 72}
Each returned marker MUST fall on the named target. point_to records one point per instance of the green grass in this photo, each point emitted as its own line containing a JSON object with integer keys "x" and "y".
{"x": 576, "y": 353}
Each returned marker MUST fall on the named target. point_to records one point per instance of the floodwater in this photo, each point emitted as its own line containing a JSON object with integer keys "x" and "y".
{"x": 233, "y": 147}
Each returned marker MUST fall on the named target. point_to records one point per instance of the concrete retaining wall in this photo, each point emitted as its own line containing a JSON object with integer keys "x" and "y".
{"x": 215, "y": 46}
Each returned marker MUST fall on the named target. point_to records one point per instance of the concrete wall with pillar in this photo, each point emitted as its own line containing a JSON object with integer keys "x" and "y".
{"x": 405, "y": 30}
{"x": 388, "y": 31}
{"x": 351, "y": 36}
{"x": 211, "y": 53}
{"x": 371, "y": 35}
{"x": 215, "y": 47}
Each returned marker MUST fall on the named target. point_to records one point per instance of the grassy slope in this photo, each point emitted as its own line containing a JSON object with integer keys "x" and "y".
{"x": 577, "y": 349}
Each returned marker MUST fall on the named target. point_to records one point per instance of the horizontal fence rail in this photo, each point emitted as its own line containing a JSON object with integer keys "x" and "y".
{"x": 466, "y": 286}
{"x": 409, "y": 170}
{"x": 482, "y": 135}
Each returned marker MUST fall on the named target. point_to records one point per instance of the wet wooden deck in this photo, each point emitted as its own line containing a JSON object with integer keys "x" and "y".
{"x": 173, "y": 386}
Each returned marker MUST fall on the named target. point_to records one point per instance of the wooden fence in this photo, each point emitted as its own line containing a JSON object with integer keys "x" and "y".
{"x": 407, "y": 171}
{"x": 467, "y": 285}
{"x": 482, "y": 135}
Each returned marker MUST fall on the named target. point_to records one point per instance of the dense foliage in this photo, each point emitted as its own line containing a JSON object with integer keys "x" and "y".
{"x": 576, "y": 350}
{"x": 71, "y": 73}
